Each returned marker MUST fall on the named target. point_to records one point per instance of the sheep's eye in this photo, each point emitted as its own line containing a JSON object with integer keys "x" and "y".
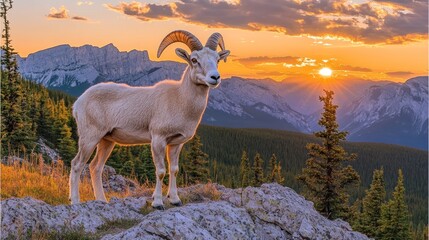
{"x": 194, "y": 60}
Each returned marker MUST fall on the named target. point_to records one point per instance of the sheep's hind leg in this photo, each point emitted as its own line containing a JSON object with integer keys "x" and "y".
{"x": 104, "y": 148}
{"x": 158, "y": 153}
{"x": 78, "y": 163}
{"x": 173, "y": 152}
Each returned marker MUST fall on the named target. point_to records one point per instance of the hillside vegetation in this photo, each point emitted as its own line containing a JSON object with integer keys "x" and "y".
{"x": 225, "y": 146}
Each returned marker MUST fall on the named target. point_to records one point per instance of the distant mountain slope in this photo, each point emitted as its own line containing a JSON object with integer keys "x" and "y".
{"x": 74, "y": 69}
{"x": 248, "y": 103}
{"x": 395, "y": 113}
{"x": 380, "y": 111}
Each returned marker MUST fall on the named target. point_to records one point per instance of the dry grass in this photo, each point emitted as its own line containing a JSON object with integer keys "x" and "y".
{"x": 48, "y": 183}
{"x": 199, "y": 193}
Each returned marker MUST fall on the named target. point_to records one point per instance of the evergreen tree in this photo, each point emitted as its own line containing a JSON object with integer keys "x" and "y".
{"x": 324, "y": 177}
{"x": 148, "y": 165}
{"x": 64, "y": 141}
{"x": 394, "y": 222}
{"x": 372, "y": 202}
{"x": 258, "y": 171}
{"x": 272, "y": 165}
{"x": 66, "y": 145}
{"x": 128, "y": 168}
{"x": 245, "y": 171}
{"x": 16, "y": 128}
{"x": 355, "y": 219}
{"x": 47, "y": 117}
{"x": 278, "y": 178}
{"x": 215, "y": 171}
{"x": 275, "y": 171}
{"x": 197, "y": 164}
{"x": 61, "y": 117}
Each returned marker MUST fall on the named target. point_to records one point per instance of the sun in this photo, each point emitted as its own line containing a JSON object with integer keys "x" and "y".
{"x": 326, "y": 72}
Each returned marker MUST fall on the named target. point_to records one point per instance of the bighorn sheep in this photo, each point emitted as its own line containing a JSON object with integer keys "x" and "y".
{"x": 165, "y": 115}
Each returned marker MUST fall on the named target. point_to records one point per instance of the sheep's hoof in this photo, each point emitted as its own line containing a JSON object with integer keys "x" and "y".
{"x": 177, "y": 204}
{"x": 159, "y": 207}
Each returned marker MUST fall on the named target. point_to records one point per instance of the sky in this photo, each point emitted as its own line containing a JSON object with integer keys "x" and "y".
{"x": 278, "y": 39}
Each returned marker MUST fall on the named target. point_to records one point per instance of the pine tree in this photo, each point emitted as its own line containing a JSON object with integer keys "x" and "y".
{"x": 46, "y": 120}
{"x": 324, "y": 177}
{"x": 278, "y": 178}
{"x": 355, "y": 219}
{"x": 128, "y": 168}
{"x": 61, "y": 117}
{"x": 148, "y": 165}
{"x": 66, "y": 145}
{"x": 275, "y": 171}
{"x": 258, "y": 171}
{"x": 394, "y": 222}
{"x": 272, "y": 165}
{"x": 197, "y": 164}
{"x": 215, "y": 171}
{"x": 372, "y": 202}
{"x": 245, "y": 171}
{"x": 16, "y": 127}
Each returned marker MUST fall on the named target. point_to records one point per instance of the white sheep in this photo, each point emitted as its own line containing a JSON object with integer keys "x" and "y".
{"x": 165, "y": 115}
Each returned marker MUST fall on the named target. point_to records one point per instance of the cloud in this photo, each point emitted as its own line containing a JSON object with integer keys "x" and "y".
{"x": 79, "y": 18}
{"x": 352, "y": 68}
{"x": 374, "y": 22}
{"x": 63, "y": 13}
{"x": 89, "y": 3}
{"x": 399, "y": 74}
{"x": 264, "y": 60}
{"x": 144, "y": 12}
{"x": 270, "y": 73}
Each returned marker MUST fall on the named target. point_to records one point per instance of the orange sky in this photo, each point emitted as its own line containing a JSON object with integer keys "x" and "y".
{"x": 292, "y": 38}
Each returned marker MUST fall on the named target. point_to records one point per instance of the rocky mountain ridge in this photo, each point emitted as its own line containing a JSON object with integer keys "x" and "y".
{"x": 397, "y": 110}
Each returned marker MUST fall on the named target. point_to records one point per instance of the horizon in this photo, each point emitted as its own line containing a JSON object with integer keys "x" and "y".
{"x": 358, "y": 49}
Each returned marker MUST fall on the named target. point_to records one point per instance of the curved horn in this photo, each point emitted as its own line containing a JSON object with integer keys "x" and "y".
{"x": 180, "y": 36}
{"x": 214, "y": 40}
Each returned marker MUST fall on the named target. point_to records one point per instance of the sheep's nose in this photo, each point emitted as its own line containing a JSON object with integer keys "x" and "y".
{"x": 215, "y": 77}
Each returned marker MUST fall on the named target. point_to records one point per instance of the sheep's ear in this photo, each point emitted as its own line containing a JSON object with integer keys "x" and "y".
{"x": 184, "y": 55}
{"x": 223, "y": 54}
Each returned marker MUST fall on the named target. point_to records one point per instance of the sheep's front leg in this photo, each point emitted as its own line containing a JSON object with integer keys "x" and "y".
{"x": 173, "y": 152}
{"x": 158, "y": 154}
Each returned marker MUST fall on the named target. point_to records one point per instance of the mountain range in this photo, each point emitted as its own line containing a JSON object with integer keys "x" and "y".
{"x": 371, "y": 111}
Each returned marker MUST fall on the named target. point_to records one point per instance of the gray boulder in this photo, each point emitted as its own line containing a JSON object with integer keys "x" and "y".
{"x": 26, "y": 215}
{"x": 282, "y": 213}
{"x": 210, "y": 220}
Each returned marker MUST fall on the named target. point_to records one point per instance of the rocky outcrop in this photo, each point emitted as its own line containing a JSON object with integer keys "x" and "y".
{"x": 212, "y": 220}
{"x": 48, "y": 151}
{"x": 280, "y": 212}
{"x": 268, "y": 212}
{"x": 22, "y": 215}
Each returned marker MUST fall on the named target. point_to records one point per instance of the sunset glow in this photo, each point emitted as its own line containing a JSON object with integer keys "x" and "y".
{"x": 393, "y": 47}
